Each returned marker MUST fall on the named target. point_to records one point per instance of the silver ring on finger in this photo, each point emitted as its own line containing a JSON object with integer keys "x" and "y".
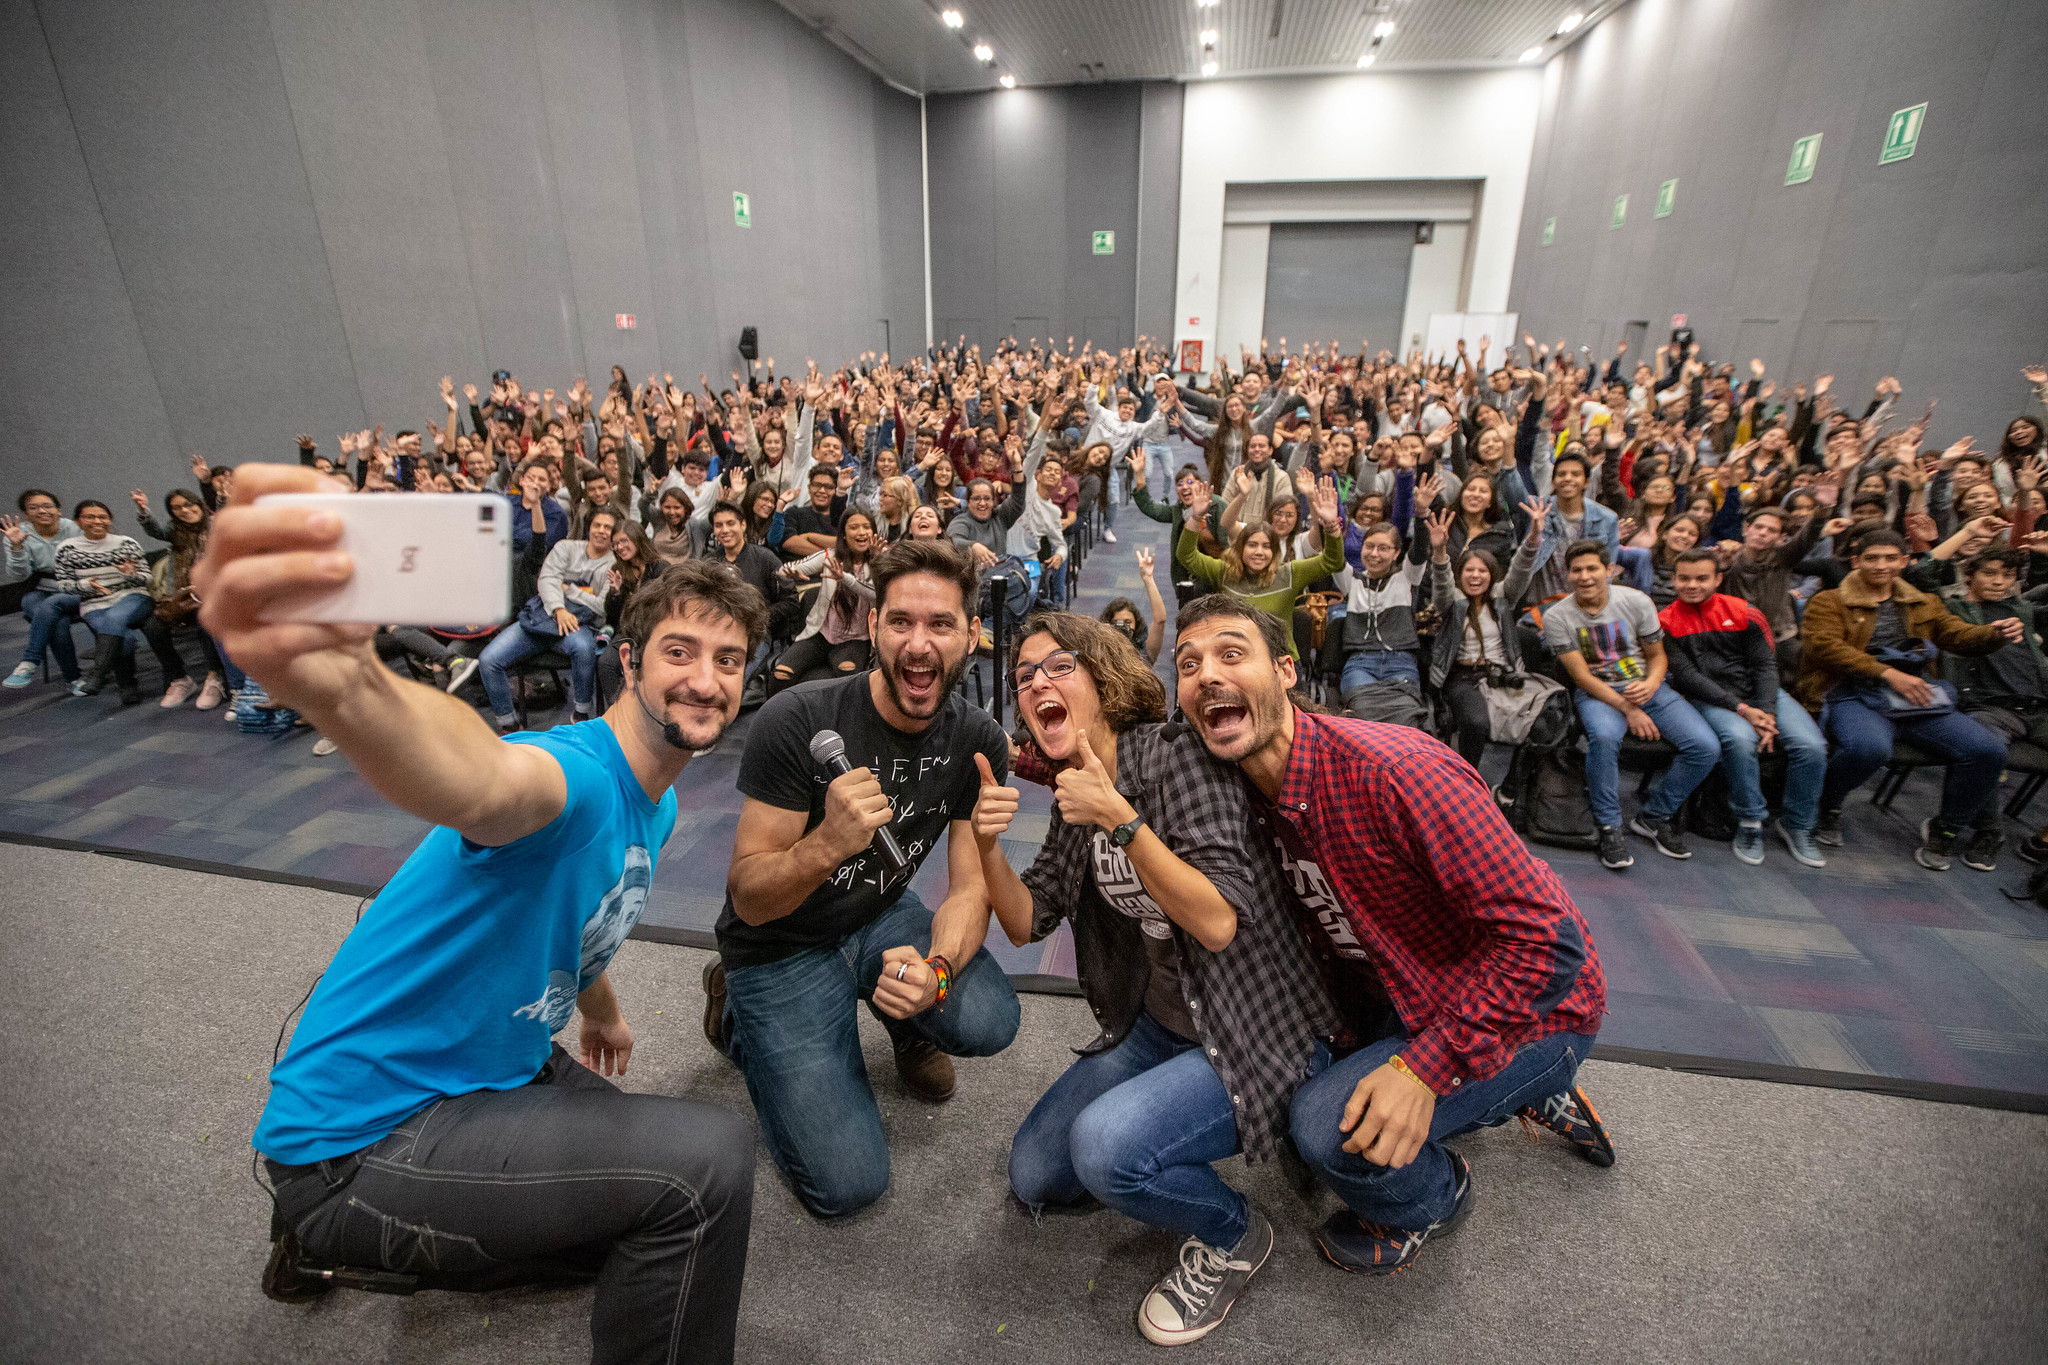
{"x": 901, "y": 968}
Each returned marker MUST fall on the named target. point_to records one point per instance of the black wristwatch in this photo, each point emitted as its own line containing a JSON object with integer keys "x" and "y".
{"x": 1122, "y": 835}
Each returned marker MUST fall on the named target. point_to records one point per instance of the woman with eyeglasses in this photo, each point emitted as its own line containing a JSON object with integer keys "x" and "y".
{"x": 1210, "y": 1008}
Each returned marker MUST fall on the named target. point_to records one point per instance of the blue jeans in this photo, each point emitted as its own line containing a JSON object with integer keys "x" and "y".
{"x": 791, "y": 1029}
{"x": 1806, "y": 762}
{"x": 50, "y": 615}
{"x": 1378, "y": 665}
{"x": 1698, "y": 751}
{"x": 1159, "y": 472}
{"x": 1136, "y": 1126}
{"x": 1863, "y": 744}
{"x": 119, "y": 619}
{"x": 1425, "y": 1190}
{"x": 1637, "y": 570}
{"x": 516, "y": 642}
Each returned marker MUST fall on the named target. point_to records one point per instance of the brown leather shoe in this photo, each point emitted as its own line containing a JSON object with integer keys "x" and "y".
{"x": 714, "y": 1003}
{"x": 927, "y": 1072}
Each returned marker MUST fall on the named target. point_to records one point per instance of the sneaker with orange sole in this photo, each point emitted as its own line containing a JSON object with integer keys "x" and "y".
{"x": 1571, "y": 1116}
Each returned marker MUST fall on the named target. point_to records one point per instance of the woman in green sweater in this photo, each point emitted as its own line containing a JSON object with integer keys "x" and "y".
{"x": 1250, "y": 568}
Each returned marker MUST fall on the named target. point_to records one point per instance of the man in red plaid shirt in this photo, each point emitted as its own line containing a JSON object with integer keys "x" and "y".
{"x": 1407, "y": 873}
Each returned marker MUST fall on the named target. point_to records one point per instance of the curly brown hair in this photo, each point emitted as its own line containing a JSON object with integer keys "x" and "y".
{"x": 1131, "y": 692}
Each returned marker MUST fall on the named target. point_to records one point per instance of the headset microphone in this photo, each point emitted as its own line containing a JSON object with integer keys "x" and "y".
{"x": 670, "y": 731}
{"x": 829, "y": 749}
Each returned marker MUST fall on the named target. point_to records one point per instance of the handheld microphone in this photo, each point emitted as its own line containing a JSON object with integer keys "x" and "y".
{"x": 829, "y": 749}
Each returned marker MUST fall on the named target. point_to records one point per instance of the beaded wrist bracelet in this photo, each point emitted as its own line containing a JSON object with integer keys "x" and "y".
{"x": 944, "y": 971}
{"x": 1401, "y": 1066}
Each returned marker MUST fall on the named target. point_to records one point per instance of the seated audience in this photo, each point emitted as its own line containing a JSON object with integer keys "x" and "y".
{"x": 1869, "y": 648}
{"x": 176, "y": 604}
{"x": 2006, "y": 691}
{"x": 564, "y": 614}
{"x": 834, "y": 639}
{"x": 1724, "y": 661}
{"x": 1607, "y": 638}
{"x": 107, "y": 575}
{"x": 1251, "y": 567}
{"x": 1125, "y": 616}
{"x": 1477, "y": 649}
{"x": 28, "y": 554}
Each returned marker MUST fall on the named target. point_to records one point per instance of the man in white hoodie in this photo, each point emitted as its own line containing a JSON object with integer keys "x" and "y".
{"x": 574, "y": 580}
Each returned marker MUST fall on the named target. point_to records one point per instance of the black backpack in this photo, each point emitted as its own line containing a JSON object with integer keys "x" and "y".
{"x": 1544, "y": 793}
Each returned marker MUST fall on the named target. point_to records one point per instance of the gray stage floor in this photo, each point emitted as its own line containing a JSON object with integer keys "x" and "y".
{"x": 1746, "y": 1221}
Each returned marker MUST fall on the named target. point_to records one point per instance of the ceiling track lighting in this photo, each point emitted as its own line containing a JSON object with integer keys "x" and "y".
{"x": 1571, "y": 21}
{"x": 1008, "y": 82}
{"x": 984, "y": 54}
{"x": 1530, "y": 54}
{"x": 1208, "y": 68}
{"x": 952, "y": 18}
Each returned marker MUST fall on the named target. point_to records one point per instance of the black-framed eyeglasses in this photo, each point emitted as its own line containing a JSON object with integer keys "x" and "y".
{"x": 1056, "y": 665}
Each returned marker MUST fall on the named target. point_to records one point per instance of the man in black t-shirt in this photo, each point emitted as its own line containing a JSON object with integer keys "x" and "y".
{"x": 817, "y": 917}
{"x": 814, "y": 526}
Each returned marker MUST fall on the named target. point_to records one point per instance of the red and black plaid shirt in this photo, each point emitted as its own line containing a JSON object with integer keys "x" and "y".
{"x": 1395, "y": 845}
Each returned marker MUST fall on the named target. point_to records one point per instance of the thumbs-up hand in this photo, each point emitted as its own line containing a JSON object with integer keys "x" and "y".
{"x": 1086, "y": 794}
{"x": 995, "y": 808}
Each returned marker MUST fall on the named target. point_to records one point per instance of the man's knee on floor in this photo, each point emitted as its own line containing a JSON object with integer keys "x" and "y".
{"x": 991, "y": 1025}
{"x": 844, "y": 1187}
{"x": 707, "y": 1152}
{"x": 1312, "y": 1122}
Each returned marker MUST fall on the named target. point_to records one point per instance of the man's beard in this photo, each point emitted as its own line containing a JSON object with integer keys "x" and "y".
{"x": 672, "y": 731}
{"x": 949, "y": 678}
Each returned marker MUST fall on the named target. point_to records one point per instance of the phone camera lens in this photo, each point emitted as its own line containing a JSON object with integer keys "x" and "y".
{"x": 486, "y": 513}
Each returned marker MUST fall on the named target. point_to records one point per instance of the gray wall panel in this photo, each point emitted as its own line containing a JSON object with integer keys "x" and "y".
{"x": 1158, "y": 234}
{"x": 362, "y": 97}
{"x": 1020, "y": 179}
{"x": 181, "y": 111}
{"x": 87, "y": 415}
{"x": 1337, "y": 279}
{"x": 1934, "y": 268}
{"x": 228, "y": 222}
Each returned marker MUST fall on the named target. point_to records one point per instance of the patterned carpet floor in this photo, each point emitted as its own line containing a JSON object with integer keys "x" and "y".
{"x": 1872, "y": 969}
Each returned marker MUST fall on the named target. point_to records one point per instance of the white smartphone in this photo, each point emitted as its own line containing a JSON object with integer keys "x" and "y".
{"x": 421, "y": 559}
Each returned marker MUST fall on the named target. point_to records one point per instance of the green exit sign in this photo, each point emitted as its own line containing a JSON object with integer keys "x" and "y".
{"x": 1902, "y": 135}
{"x": 1549, "y": 231}
{"x": 742, "y": 210}
{"x": 1805, "y": 156}
{"x": 1620, "y": 211}
{"x": 1104, "y": 243}
{"x": 1667, "y": 198}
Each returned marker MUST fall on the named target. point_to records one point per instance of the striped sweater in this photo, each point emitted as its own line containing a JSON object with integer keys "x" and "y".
{"x": 81, "y": 561}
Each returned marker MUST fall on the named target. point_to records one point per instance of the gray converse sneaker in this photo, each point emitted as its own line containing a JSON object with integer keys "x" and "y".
{"x": 1193, "y": 1301}
{"x": 1801, "y": 844}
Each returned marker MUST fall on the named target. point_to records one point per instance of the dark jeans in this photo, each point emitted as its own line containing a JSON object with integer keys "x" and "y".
{"x": 1138, "y": 1127}
{"x": 564, "y": 1177}
{"x": 791, "y": 1029}
{"x": 50, "y": 615}
{"x": 157, "y": 632}
{"x": 1862, "y": 741}
{"x": 814, "y": 657}
{"x": 1425, "y": 1190}
{"x": 1465, "y": 696}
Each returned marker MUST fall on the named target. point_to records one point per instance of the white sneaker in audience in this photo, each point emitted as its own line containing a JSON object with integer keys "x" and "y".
{"x": 324, "y": 746}
{"x": 177, "y": 692}
{"x": 1109, "y": 535}
{"x": 24, "y": 673}
{"x": 460, "y": 672}
{"x": 210, "y": 695}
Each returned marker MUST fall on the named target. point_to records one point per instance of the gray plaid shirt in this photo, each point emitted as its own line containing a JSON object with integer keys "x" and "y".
{"x": 1258, "y": 1005}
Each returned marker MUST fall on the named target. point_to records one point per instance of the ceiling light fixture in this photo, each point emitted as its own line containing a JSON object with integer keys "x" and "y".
{"x": 1366, "y": 60}
{"x": 1207, "y": 4}
{"x": 984, "y": 53}
{"x": 1208, "y": 37}
{"x": 1530, "y": 54}
{"x": 952, "y": 18}
{"x": 1208, "y": 68}
{"x": 1571, "y": 21}
{"x": 1383, "y": 29}
{"x": 1007, "y": 82}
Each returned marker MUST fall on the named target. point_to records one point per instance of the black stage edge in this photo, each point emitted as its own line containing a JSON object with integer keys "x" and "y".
{"x": 1932, "y": 1091}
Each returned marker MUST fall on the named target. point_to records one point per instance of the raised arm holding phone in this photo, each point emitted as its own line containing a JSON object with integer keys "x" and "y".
{"x": 422, "y": 1122}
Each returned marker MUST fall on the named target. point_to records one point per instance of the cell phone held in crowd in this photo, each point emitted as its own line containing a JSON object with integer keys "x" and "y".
{"x": 420, "y": 560}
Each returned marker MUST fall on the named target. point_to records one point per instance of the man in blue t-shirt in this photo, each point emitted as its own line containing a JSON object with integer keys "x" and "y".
{"x": 424, "y": 1122}
{"x": 818, "y": 918}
